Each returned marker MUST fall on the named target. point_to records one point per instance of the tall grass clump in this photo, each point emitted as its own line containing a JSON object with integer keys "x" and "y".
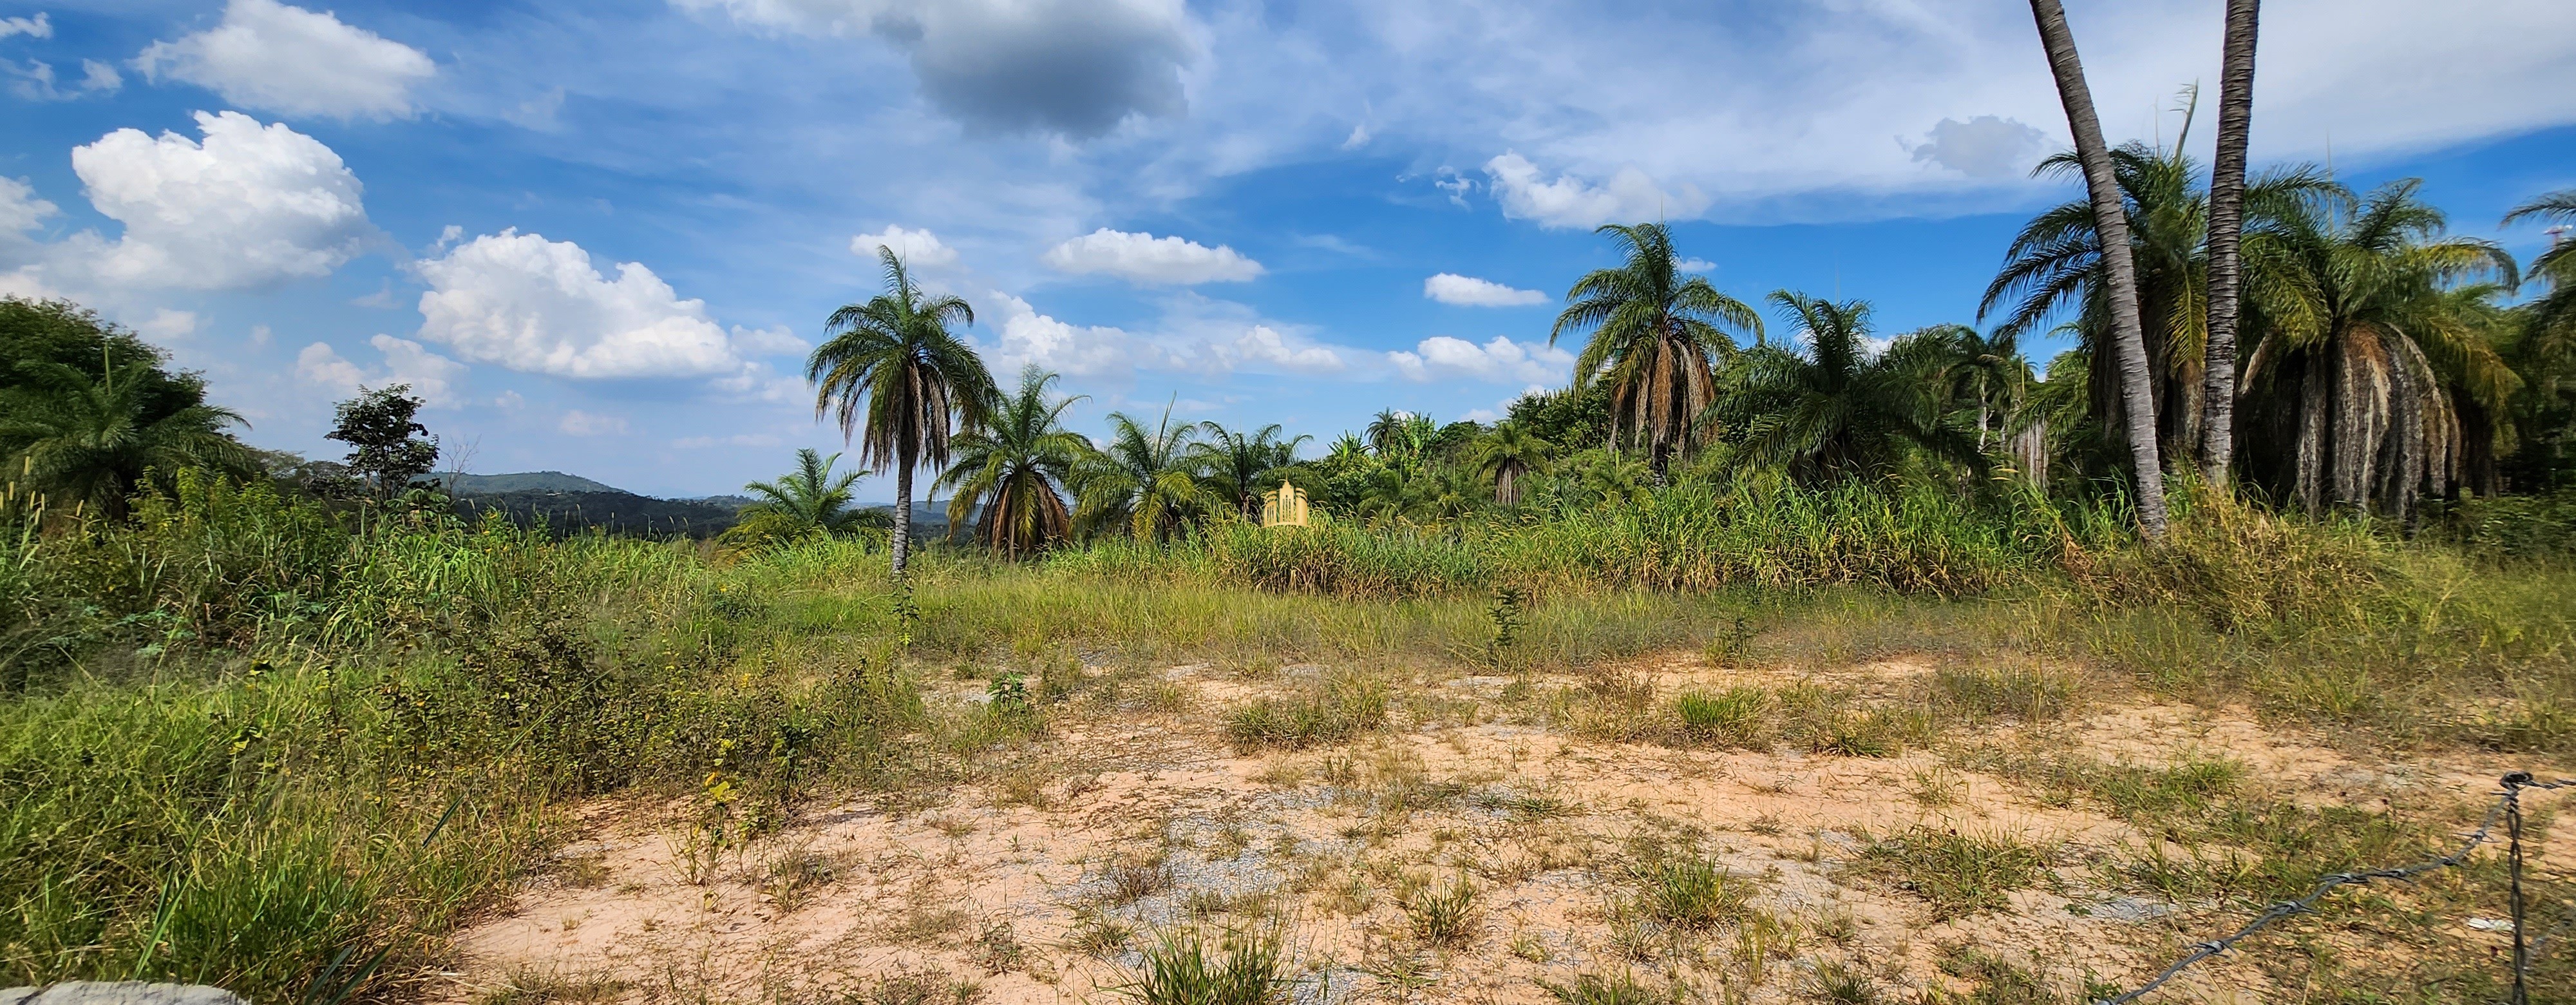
{"x": 1247, "y": 968}
{"x": 1346, "y": 706}
{"x": 1691, "y": 539}
{"x": 244, "y": 735}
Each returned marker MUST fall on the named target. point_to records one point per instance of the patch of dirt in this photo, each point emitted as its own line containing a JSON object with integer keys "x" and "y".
{"x": 1152, "y": 824}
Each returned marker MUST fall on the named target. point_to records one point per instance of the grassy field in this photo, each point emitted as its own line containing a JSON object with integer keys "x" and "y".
{"x": 242, "y": 744}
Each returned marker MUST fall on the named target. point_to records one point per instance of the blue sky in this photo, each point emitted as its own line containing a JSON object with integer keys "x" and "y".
{"x": 599, "y": 236}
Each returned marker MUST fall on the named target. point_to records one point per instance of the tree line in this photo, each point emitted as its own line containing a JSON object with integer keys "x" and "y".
{"x": 2384, "y": 362}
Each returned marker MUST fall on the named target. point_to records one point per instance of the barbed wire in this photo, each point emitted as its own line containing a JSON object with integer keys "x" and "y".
{"x": 2507, "y": 807}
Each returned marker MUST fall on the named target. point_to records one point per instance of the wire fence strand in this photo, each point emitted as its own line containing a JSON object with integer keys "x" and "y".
{"x": 2507, "y": 808}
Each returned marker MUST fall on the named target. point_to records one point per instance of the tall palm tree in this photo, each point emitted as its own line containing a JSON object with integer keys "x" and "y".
{"x": 1985, "y": 371}
{"x": 1509, "y": 454}
{"x": 1011, "y": 470}
{"x": 1654, "y": 339}
{"x": 2137, "y": 396}
{"x": 2368, "y": 357}
{"x": 811, "y": 498}
{"x": 1146, "y": 482}
{"x": 2226, "y": 231}
{"x": 1386, "y": 432}
{"x": 1238, "y": 466}
{"x": 84, "y": 441}
{"x": 2055, "y": 267}
{"x": 1838, "y": 410}
{"x": 920, "y": 382}
{"x": 2553, "y": 316}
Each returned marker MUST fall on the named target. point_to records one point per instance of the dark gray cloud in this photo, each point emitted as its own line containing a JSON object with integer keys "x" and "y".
{"x": 1987, "y": 146}
{"x": 1063, "y": 66}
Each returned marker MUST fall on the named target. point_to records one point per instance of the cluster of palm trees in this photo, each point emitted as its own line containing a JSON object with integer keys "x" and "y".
{"x": 2383, "y": 364}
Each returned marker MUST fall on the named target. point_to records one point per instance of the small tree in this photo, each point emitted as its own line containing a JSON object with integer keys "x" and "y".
{"x": 391, "y": 449}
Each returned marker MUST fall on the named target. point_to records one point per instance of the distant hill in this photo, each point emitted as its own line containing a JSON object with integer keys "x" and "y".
{"x": 524, "y": 481}
{"x": 614, "y": 512}
{"x": 571, "y": 503}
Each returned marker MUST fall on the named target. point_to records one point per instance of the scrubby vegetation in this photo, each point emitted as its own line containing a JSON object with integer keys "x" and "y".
{"x": 284, "y": 726}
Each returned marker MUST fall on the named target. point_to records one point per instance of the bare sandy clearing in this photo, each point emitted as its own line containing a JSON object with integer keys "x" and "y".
{"x": 1043, "y": 889}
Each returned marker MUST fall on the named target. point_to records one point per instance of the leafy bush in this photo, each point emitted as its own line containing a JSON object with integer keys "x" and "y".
{"x": 2516, "y": 527}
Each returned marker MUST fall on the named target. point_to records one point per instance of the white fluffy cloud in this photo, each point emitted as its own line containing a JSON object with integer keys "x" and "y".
{"x": 1469, "y": 291}
{"x": 1629, "y": 196}
{"x": 539, "y": 306}
{"x": 292, "y": 61}
{"x": 576, "y": 422}
{"x": 1987, "y": 146}
{"x": 1195, "y": 335}
{"x": 35, "y": 80}
{"x": 32, "y": 27}
{"x": 251, "y": 206}
{"x": 1264, "y": 348}
{"x": 1029, "y": 337}
{"x": 919, "y": 249}
{"x": 1501, "y": 361}
{"x": 431, "y": 376}
{"x": 21, "y": 212}
{"x": 1144, "y": 258}
{"x": 1074, "y": 67}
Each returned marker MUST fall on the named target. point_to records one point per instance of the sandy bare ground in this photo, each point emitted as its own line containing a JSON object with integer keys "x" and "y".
{"x": 1119, "y": 828}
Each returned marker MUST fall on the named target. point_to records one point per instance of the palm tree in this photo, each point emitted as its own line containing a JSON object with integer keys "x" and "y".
{"x": 2055, "y": 267}
{"x": 1838, "y": 410}
{"x": 1347, "y": 450}
{"x": 1418, "y": 495}
{"x": 2554, "y": 315}
{"x": 1238, "y": 465}
{"x": 1386, "y": 432}
{"x": 2137, "y": 396}
{"x": 919, "y": 381}
{"x": 1011, "y": 471}
{"x": 2370, "y": 363}
{"x": 1146, "y": 482}
{"x": 83, "y": 441}
{"x": 2543, "y": 346}
{"x": 1508, "y": 454}
{"x": 1654, "y": 339}
{"x": 1986, "y": 371}
{"x": 2226, "y": 230}
{"x": 810, "y": 499}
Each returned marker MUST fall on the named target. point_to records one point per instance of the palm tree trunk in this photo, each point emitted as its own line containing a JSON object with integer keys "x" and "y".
{"x": 901, "y": 539}
{"x": 2226, "y": 233}
{"x": 2111, "y": 225}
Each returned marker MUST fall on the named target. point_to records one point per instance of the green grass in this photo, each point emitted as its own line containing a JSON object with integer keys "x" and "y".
{"x": 1249, "y": 968}
{"x": 1621, "y": 988}
{"x": 1735, "y": 717}
{"x": 1448, "y": 916}
{"x": 1691, "y": 893}
{"x": 243, "y": 735}
{"x": 1346, "y": 706}
{"x": 1957, "y": 874}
